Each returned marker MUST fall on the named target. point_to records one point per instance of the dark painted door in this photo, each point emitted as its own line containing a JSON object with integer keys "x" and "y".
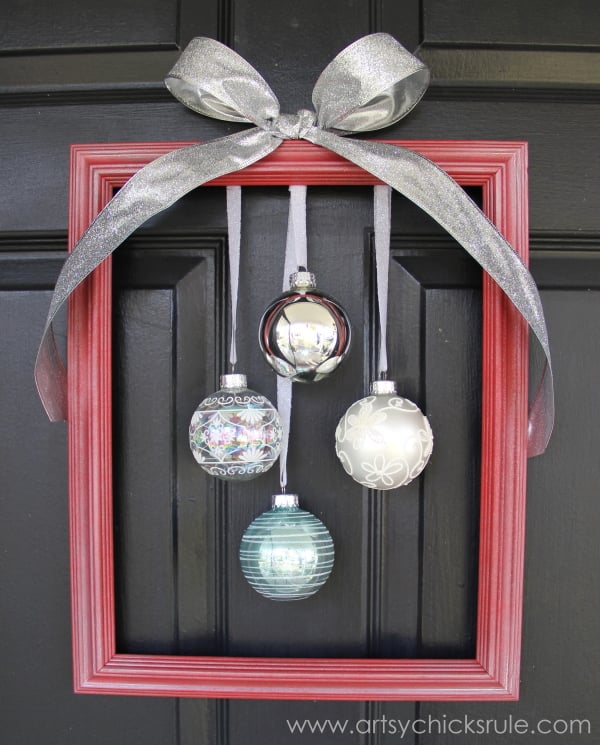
{"x": 404, "y": 582}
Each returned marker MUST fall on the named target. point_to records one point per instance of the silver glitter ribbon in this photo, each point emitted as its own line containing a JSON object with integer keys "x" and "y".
{"x": 371, "y": 84}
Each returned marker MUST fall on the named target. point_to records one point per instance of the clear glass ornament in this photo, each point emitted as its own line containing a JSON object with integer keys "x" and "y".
{"x": 286, "y": 553}
{"x": 384, "y": 441}
{"x": 304, "y": 334}
{"x": 235, "y": 433}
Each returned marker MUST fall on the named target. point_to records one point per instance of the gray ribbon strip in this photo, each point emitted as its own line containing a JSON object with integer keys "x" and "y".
{"x": 371, "y": 84}
{"x": 234, "y": 239}
{"x": 382, "y": 214}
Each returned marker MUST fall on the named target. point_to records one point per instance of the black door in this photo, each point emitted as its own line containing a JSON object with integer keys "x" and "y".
{"x": 405, "y": 578}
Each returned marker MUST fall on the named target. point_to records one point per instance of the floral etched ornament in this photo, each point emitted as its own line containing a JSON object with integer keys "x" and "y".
{"x": 383, "y": 441}
{"x": 235, "y": 433}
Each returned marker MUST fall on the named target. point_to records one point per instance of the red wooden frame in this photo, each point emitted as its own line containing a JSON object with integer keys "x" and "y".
{"x": 500, "y": 168}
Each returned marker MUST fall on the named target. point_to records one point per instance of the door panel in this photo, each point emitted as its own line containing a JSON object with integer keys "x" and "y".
{"x": 38, "y": 705}
{"x": 469, "y": 22}
{"x": 29, "y": 25}
{"x": 167, "y": 340}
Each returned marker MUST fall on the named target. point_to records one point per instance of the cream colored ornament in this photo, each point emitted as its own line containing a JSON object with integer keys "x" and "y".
{"x": 383, "y": 441}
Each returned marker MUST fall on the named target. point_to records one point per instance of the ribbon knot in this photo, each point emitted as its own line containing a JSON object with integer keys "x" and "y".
{"x": 371, "y": 84}
{"x": 294, "y": 126}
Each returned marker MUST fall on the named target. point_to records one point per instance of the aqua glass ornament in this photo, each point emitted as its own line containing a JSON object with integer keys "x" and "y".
{"x": 384, "y": 441}
{"x": 304, "y": 334}
{"x": 286, "y": 553}
{"x": 235, "y": 434}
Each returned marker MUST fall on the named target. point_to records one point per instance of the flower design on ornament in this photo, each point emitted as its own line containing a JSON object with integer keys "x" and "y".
{"x": 251, "y": 416}
{"x": 220, "y": 453}
{"x": 380, "y": 471}
{"x": 361, "y": 425}
{"x": 252, "y": 454}
{"x": 198, "y": 453}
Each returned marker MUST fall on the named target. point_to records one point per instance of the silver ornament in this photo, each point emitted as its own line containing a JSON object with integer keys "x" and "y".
{"x": 235, "y": 433}
{"x": 383, "y": 441}
{"x": 304, "y": 334}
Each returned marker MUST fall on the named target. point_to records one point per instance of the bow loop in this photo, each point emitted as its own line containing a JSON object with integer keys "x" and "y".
{"x": 213, "y": 80}
{"x": 371, "y": 84}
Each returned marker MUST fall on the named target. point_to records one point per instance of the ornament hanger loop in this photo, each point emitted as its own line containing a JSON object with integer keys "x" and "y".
{"x": 296, "y": 259}
{"x": 382, "y": 206}
{"x": 234, "y": 233}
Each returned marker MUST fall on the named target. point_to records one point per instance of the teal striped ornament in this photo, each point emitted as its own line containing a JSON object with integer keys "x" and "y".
{"x": 286, "y": 553}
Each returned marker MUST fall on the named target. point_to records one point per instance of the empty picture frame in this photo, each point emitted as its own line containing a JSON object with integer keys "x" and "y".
{"x": 500, "y": 169}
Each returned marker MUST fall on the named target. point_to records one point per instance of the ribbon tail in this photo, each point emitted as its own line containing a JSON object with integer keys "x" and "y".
{"x": 430, "y": 188}
{"x": 151, "y": 190}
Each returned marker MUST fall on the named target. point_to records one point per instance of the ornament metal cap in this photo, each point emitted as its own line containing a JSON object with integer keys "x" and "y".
{"x": 303, "y": 280}
{"x": 233, "y": 381}
{"x": 383, "y": 387}
{"x": 285, "y": 500}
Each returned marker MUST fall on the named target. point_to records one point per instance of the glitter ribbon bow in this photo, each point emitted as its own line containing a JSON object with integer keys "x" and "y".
{"x": 371, "y": 84}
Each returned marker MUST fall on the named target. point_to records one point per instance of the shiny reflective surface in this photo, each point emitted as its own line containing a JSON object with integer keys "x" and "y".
{"x": 304, "y": 335}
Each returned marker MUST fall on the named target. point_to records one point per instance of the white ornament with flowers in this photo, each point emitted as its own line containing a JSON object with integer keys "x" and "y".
{"x": 383, "y": 441}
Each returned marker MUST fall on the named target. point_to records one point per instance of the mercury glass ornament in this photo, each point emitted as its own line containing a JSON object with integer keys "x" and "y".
{"x": 304, "y": 334}
{"x": 383, "y": 441}
{"x": 286, "y": 553}
{"x": 235, "y": 433}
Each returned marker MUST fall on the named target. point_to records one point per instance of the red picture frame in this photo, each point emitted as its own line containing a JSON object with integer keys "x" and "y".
{"x": 500, "y": 169}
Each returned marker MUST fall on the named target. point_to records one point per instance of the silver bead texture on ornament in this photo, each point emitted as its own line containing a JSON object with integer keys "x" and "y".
{"x": 235, "y": 434}
{"x": 304, "y": 334}
{"x": 384, "y": 441}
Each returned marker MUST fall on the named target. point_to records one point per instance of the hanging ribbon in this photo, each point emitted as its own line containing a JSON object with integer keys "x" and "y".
{"x": 296, "y": 252}
{"x": 296, "y": 246}
{"x": 371, "y": 84}
{"x": 234, "y": 237}
{"x": 382, "y": 208}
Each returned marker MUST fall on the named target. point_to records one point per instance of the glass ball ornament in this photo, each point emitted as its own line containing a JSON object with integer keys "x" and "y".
{"x": 383, "y": 441}
{"x": 304, "y": 334}
{"x": 235, "y": 433}
{"x": 286, "y": 553}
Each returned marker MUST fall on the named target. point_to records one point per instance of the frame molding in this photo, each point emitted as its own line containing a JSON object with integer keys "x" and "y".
{"x": 500, "y": 168}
